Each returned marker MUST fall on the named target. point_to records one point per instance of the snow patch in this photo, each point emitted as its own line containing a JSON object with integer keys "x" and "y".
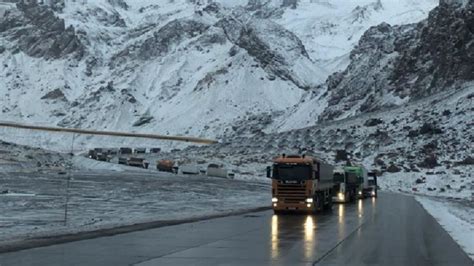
{"x": 457, "y": 221}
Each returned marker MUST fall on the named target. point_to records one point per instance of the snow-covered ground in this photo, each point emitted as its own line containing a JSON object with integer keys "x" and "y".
{"x": 447, "y": 194}
{"x": 457, "y": 218}
{"x": 33, "y": 204}
{"x": 438, "y": 182}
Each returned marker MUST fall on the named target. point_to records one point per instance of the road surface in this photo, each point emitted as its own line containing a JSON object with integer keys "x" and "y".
{"x": 390, "y": 230}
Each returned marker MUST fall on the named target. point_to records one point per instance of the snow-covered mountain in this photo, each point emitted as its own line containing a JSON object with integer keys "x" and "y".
{"x": 393, "y": 65}
{"x": 182, "y": 67}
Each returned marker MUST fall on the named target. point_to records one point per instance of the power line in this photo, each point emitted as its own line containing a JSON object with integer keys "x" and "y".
{"x": 109, "y": 133}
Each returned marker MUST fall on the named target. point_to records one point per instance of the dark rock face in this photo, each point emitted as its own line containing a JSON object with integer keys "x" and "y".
{"x": 290, "y": 3}
{"x": 364, "y": 80}
{"x": 393, "y": 169}
{"x": 373, "y": 122}
{"x": 254, "y": 37}
{"x": 111, "y": 18}
{"x": 429, "y": 162}
{"x": 161, "y": 42}
{"x": 40, "y": 33}
{"x": 170, "y": 34}
{"x": 146, "y": 119}
{"x": 442, "y": 55}
{"x": 410, "y": 62}
{"x": 56, "y": 94}
{"x": 119, "y": 3}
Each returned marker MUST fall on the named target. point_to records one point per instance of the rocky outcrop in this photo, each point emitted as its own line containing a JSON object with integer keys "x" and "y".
{"x": 441, "y": 56}
{"x": 405, "y": 62}
{"x": 39, "y": 33}
{"x": 161, "y": 41}
{"x": 56, "y": 94}
{"x": 172, "y": 33}
{"x": 275, "y": 48}
{"x": 119, "y": 3}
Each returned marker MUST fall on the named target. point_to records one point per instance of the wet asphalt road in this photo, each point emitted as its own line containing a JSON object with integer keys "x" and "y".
{"x": 391, "y": 230}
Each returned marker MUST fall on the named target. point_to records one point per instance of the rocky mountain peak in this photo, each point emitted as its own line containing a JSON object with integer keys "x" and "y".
{"x": 39, "y": 32}
{"x": 395, "y": 64}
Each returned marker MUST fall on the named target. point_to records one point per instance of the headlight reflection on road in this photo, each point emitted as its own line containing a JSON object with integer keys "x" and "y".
{"x": 340, "y": 216}
{"x": 309, "y": 231}
{"x": 360, "y": 208}
{"x": 309, "y": 227}
{"x": 275, "y": 237}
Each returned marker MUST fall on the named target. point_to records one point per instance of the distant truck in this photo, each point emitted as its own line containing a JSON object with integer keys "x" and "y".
{"x": 371, "y": 190}
{"x": 346, "y": 185}
{"x": 123, "y": 160}
{"x": 103, "y": 157}
{"x": 361, "y": 173}
{"x": 124, "y": 150}
{"x": 92, "y": 154}
{"x": 155, "y": 150}
{"x": 140, "y": 150}
{"x": 189, "y": 170}
{"x": 216, "y": 170}
{"x": 300, "y": 184}
{"x": 112, "y": 151}
{"x": 138, "y": 162}
{"x": 165, "y": 166}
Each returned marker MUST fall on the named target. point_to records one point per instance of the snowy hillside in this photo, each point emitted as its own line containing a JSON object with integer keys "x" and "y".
{"x": 179, "y": 67}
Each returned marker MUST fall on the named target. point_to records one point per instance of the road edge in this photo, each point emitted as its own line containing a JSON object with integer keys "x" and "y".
{"x": 444, "y": 227}
{"x": 45, "y": 241}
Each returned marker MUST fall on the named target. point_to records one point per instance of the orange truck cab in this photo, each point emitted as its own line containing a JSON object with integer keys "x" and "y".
{"x": 300, "y": 184}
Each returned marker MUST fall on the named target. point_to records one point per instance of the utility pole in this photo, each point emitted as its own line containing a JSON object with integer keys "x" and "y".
{"x": 68, "y": 181}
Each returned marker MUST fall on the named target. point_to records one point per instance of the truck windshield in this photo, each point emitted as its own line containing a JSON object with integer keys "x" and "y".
{"x": 292, "y": 172}
{"x": 371, "y": 182}
{"x": 339, "y": 178}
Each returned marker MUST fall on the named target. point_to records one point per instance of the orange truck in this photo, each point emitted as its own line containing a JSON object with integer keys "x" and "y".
{"x": 300, "y": 184}
{"x": 165, "y": 166}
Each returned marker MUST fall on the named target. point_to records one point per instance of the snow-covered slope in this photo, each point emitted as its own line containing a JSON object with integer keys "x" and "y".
{"x": 392, "y": 65}
{"x": 179, "y": 67}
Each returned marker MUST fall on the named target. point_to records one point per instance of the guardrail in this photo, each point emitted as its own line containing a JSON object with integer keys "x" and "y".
{"x": 109, "y": 133}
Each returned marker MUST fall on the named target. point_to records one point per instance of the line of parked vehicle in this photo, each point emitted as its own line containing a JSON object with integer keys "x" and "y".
{"x": 132, "y": 157}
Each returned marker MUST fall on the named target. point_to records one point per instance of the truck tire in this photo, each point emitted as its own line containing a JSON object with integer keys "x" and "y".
{"x": 328, "y": 205}
{"x": 319, "y": 204}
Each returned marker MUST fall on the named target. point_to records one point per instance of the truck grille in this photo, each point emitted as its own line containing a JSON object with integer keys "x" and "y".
{"x": 291, "y": 193}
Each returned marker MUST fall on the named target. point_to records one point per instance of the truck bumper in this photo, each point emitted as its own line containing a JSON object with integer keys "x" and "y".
{"x": 370, "y": 192}
{"x": 339, "y": 200}
{"x": 296, "y": 208}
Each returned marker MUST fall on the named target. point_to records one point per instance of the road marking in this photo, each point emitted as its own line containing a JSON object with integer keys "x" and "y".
{"x": 337, "y": 245}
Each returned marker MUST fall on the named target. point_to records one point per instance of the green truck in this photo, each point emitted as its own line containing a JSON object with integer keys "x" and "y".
{"x": 350, "y": 183}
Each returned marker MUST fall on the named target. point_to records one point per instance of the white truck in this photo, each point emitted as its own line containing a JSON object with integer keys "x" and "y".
{"x": 216, "y": 170}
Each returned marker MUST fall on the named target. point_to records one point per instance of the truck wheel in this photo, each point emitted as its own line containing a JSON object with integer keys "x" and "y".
{"x": 319, "y": 205}
{"x": 329, "y": 202}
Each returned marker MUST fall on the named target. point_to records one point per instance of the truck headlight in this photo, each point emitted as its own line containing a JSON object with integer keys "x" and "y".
{"x": 360, "y": 192}
{"x": 274, "y": 200}
{"x": 373, "y": 193}
{"x": 340, "y": 196}
{"x": 309, "y": 200}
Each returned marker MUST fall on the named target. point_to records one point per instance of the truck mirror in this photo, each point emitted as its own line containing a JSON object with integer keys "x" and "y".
{"x": 269, "y": 172}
